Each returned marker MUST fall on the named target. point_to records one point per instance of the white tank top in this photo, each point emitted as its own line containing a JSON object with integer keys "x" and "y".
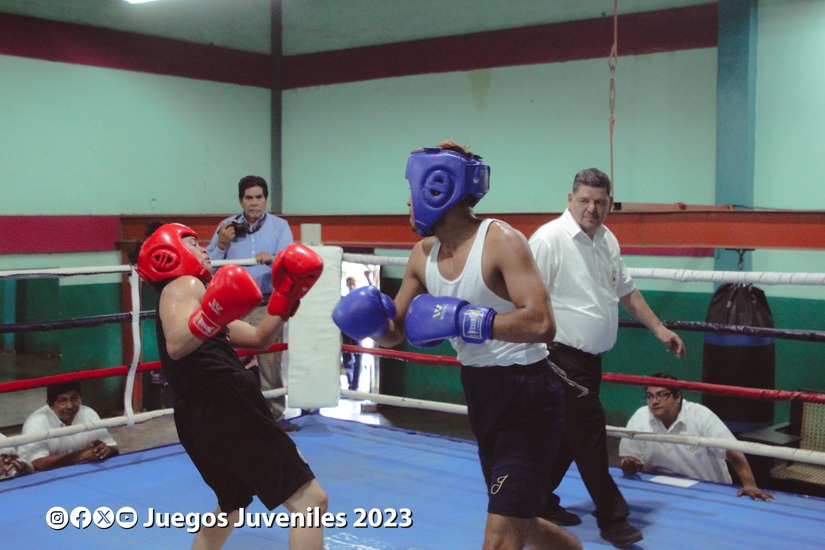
{"x": 470, "y": 286}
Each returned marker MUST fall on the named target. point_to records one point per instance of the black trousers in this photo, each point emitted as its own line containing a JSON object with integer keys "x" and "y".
{"x": 585, "y": 437}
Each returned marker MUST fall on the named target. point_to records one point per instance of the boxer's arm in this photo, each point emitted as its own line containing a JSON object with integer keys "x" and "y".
{"x": 260, "y": 336}
{"x": 190, "y": 313}
{"x": 178, "y": 301}
{"x": 182, "y": 297}
{"x": 513, "y": 275}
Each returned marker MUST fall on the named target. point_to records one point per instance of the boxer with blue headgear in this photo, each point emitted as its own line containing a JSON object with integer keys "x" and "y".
{"x": 474, "y": 283}
{"x": 440, "y": 179}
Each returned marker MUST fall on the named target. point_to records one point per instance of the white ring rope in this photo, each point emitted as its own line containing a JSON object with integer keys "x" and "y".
{"x": 406, "y": 402}
{"x": 114, "y": 422}
{"x": 742, "y": 277}
{"x": 797, "y": 455}
{"x": 683, "y": 275}
{"x": 786, "y": 453}
{"x": 99, "y": 270}
{"x": 134, "y": 283}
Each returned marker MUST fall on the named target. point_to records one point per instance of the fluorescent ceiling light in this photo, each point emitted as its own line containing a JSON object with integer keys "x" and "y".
{"x": 139, "y": 1}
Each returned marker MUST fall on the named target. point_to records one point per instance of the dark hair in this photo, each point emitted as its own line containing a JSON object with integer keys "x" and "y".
{"x": 53, "y": 390}
{"x": 134, "y": 250}
{"x": 666, "y": 376}
{"x": 592, "y": 177}
{"x": 252, "y": 181}
{"x": 454, "y": 147}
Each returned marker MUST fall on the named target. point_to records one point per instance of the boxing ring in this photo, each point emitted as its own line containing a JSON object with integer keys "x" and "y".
{"x": 389, "y": 488}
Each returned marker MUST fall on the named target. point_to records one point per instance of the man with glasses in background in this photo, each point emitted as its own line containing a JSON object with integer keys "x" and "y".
{"x": 668, "y": 413}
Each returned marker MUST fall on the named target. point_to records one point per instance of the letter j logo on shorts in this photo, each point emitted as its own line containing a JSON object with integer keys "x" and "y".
{"x": 496, "y": 487}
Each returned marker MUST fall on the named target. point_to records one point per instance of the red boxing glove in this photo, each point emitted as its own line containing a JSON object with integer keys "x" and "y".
{"x": 232, "y": 294}
{"x": 294, "y": 270}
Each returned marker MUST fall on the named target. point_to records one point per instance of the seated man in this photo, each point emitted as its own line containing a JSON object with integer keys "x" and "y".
{"x": 64, "y": 407}
{"x": 666, "y": 412}
{"x": 11, "y": 465}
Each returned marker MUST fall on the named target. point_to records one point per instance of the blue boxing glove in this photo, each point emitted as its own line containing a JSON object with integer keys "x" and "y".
{"x": 431, "y": 319}
{"x": 364, "y": 313}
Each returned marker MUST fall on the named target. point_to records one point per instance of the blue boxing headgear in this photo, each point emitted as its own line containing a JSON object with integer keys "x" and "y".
{"x": 439, "y": 179}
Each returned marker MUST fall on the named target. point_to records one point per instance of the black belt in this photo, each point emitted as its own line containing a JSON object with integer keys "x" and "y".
{"x": 571, "y": 349}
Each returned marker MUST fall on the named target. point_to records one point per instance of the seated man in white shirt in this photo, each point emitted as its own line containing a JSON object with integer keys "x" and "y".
{"x": 668, "y": 413}
{"x": 64, "y": 407}
{"x": 11, "y": 465}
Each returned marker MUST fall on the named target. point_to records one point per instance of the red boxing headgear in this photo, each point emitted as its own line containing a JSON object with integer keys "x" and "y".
{"x": 164, "y": 256}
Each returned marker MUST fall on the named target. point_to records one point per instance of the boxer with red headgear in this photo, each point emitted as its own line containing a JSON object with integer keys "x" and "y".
{"x": 164, "y": 255}
{"x": 222, "y": 419}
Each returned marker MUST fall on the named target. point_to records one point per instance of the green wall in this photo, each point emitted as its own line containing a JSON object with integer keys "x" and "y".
{"x": 142, "y": 143}
{"x": 536, "y": 126}
{"x": 93, "y": 347}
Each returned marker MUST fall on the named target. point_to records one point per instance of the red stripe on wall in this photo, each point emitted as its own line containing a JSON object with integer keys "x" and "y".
{"x": 86, "y": 45}
{"x": 58, "y": 234}
{"x": 659, "y": 31}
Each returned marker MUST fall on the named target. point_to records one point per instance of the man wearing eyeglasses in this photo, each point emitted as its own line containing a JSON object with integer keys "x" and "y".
{"x": 668, "y": 413}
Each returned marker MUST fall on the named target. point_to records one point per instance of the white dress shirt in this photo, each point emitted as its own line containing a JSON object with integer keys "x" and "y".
{"x": 44, "y": 419}
{"x": 703, "y": 463}
{"x": 585, "y": 278}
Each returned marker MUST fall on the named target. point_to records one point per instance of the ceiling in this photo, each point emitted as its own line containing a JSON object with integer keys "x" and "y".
{"x": 322, "y": 25}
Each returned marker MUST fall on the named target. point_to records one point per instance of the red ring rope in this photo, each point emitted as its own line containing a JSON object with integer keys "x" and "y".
{"x": 123, "y": 370}
{"x": 717, "y": 389}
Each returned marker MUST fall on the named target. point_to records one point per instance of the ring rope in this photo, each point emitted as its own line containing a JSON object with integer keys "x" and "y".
{"x": 688, "y": 326}
{"x": 77, "y": 322}
{"x": 405, "y": 402}
{"x": 786, "y": 453}
{"x": 720, "y": 389}
{"x": 128, "y": 392}
{"x": 114, "y": 422}
{"x": 740, "y": 277}
{"x": 741, "y": 330}
{"x": 94, "y": 270}
{"x": 123, "y": 370}
{"x": 682, "y": 275}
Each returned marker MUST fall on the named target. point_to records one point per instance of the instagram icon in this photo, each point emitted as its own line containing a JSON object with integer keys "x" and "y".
{"x": 57, "y": 518}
